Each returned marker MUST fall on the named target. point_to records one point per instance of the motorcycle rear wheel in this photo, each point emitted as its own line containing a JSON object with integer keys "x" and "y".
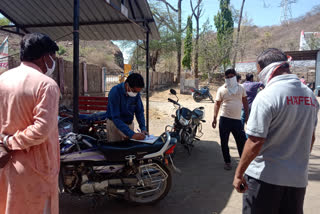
{"x": 197, "y": 97}
{"x": 149, "y": 199}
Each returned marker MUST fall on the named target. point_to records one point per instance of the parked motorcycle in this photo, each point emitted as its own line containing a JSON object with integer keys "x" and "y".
{"x": 201, "y": 94}
{"x": 130, "y": 170}
{"x": 89, "y": 124}
{"x": 187, "y": 127}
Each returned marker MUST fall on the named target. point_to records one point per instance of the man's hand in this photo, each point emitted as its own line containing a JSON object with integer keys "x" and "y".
{"x": 138, "y": 136}
{"x": 240, "y": 184}
{"x": 214, "y": 123}
{"x": 4, "y": 156}
{"x": 145, "y": 132}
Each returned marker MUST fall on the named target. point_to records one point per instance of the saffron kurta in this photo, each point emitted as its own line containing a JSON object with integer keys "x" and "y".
{"x": 29, "y": 109}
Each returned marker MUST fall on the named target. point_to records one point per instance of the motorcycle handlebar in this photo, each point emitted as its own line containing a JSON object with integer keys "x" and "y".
{"x": 172, "y": 101}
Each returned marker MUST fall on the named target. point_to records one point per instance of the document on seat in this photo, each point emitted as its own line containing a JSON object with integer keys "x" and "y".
{"x": 150, "y": 139}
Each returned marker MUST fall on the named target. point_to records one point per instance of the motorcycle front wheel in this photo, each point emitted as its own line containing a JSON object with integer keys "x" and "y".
{"x": 157, "y": 184}
{"x": 197, "y": 97}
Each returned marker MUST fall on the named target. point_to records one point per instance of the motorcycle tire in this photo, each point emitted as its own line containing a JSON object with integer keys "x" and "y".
{"x": 164, "y": 189}
{"x": 197, "y": 97}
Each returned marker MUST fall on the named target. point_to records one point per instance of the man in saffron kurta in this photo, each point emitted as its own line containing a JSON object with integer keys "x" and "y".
{"x": 29, "y": 108}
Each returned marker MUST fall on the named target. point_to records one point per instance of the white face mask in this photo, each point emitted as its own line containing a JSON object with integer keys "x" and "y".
{"x": 50, "y": 70}
{"x": 232, "y": 85}
{"x": 266, "y": 74}
{"x": 131, "y": 94}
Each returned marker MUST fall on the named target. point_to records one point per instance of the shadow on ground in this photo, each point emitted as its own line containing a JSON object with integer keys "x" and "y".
{"x": 314, "y": 164}
{"x": 203, "y": 187}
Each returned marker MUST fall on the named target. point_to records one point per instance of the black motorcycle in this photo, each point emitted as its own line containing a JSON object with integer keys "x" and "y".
{"x": 187, "y": 127}
{"x": 201, "y": 94}
{"x": 130, "y": 170}
{"x": 93, "y": 124}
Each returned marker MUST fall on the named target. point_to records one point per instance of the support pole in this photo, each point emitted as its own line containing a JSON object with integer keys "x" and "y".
{"x": 76, "y": 9}
{"x": 147, "y": 76}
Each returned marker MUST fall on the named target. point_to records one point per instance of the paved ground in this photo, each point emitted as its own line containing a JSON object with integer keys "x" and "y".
{"x": 203, "y": 187}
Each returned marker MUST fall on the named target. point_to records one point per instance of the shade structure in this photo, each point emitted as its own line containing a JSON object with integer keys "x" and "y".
{"x": 86, "y": 20}
{"x": 98, "y": 19}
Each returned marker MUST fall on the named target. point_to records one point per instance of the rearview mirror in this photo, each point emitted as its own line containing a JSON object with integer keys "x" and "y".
{"x": 172, "y": 91}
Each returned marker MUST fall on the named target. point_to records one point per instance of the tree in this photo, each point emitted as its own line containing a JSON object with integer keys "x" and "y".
{"x": 175, "y": 27}
{"x": 224, "y": 24}
{"x": 211, "y": 52}
{"x": 186, "y": 62}
{"x": 197, "y": 12}
{"x": 4, "y": 21}
{"x": 238, "y": 34}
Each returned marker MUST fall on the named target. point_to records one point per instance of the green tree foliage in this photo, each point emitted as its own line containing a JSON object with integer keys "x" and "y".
{"x": 224, "y": 24}
{"x": 62, "y": 50}
{"x": 187, "y": 58}
{"x": 4, "y": 21}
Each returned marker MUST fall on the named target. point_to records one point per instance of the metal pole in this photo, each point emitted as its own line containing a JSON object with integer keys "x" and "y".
{"x": 76, "y": 8}
{"x": 147, "y": 75}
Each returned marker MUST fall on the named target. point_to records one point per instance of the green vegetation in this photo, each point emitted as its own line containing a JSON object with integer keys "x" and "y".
{"x": 186, "y": 61}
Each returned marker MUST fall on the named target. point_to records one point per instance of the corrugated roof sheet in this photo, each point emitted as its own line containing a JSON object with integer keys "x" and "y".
{"x": 303, "y": 55}
{"x": 99, "y": 19}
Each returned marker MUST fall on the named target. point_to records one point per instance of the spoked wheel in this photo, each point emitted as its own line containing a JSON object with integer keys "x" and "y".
{"x": 156, "y": 179}
{"x": 197, "y": 97}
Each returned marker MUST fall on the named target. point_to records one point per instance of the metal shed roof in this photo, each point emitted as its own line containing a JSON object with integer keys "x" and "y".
{"x": 303, "y": 55}
{"x": 99, "y": 19}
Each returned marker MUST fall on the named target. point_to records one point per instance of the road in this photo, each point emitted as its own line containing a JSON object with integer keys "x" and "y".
{"x": 203, "y": 187}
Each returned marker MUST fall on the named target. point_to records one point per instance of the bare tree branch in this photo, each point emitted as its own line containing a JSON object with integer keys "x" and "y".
{"x": 168, "y": 4}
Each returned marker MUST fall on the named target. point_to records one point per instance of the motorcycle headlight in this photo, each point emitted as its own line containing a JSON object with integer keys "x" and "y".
{"x": 183, "y": 121}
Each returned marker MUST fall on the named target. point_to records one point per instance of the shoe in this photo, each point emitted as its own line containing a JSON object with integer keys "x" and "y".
{"x": 227, "y": 166}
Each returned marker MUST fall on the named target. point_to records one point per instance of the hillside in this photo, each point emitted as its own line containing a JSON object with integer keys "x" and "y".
{"x": 102, "y": 53}
{"x": 285, "y": 37}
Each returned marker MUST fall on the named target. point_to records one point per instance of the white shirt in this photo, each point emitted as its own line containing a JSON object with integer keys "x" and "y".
{"x": 285, "y": 114}
{"x": 231, "y": 105}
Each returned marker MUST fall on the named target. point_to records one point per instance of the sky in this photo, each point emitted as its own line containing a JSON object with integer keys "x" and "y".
{"x": 255, "y": 10}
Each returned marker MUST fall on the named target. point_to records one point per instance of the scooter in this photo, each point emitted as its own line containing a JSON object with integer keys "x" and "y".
{"x": 201, "y": 94}
{"x": 135, "y": 171}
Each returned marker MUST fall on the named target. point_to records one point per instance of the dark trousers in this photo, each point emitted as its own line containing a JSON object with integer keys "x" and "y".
{"x": 264, "y": 198}
{"x": 227, "y": 125}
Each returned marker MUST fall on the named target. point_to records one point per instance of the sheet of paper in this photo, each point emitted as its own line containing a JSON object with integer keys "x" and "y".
{"x": 150, "y": 139}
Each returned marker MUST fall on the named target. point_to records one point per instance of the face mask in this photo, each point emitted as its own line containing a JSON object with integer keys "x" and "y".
{"x": 50, "y": 70}
{"x": 131, "y": 94}
{"x": 232, "y": 85}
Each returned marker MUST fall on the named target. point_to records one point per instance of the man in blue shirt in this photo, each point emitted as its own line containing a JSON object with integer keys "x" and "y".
{"x": 124, "y": 102}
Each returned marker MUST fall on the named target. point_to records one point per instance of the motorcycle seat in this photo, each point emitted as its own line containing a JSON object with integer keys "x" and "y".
{"x": 94, "y": 116}
{"x": 118, "y": 151}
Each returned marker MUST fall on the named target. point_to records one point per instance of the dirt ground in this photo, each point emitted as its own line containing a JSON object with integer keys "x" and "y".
{"x": 203, "y": 187}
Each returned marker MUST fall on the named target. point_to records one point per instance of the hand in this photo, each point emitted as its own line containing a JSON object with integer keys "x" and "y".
{"x": 246, "y": 120}
{"x": 145, "y": 132}
{"x": 4, "y": 156}
{"x": 138, "y": 136}
{"x": 214, "y": 123}
{"x": 240, "y": 184}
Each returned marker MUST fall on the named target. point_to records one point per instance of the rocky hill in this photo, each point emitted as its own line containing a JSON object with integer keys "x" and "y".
{"x": 102, "y": 53}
